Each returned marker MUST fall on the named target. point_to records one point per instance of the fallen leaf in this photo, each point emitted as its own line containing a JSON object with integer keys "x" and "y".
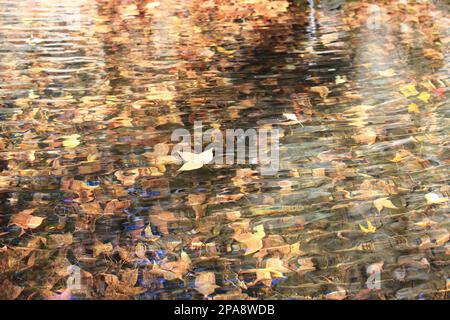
{"x": 9, "y": 290}
{"x": 370, "y": 228}
{"x": 205, "y": 283}
{"x": 408, "y": 90}
{"x": 413, "y": 108}
{"x": 61, "y": 240}
{"x": 276, "y": 264}
{"x": 194, "y": 161}
{"x": 251, "y": 241}
{"x": 340, "y": 79}
{"x": 64, "y": 295}
{"x": 387, "y": 73}
{"x": 375, "y": 268}
{"x": 433, "y": 54}
{"x": 383, "y": 203}
{"x": 321, "y": 90}
{"x": 305, "y": 265}
{"x": 366, "y": 136}
{"x": 25, "y": 220}
{"x": 225, "y": 51}
{"x": 291, "y": 116}
{"x": 100, "y": 248}
{"x": 424, "y": 96}
{"x": 71, "y": 141}
{"x": 340, "y": 294}
{"x": 433, "y": 198}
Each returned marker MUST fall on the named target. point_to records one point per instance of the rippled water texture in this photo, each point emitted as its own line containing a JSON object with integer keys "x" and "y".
{"x": 92, "y": 90}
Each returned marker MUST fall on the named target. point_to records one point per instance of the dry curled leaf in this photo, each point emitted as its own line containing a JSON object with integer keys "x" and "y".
{"x": 321, "y": 90}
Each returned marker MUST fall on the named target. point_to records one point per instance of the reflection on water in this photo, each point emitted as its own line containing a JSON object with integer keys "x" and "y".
{"x": 92, "y": 90}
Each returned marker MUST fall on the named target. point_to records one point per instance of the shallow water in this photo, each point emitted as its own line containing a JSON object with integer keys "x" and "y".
{"x": 89, "y": 88}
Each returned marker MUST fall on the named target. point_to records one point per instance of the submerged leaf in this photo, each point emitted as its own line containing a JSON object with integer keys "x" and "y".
{"x": 433, "y": 198}
{"x": 370, "y": 228}
{"x": 383, "y": 203}
{"x": 71, "y": 141}
{"x": 205, "y": 283}
{"x": 409, "y": 90}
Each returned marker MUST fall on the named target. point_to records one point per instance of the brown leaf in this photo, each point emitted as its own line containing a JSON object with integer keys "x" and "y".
{"x": 25, "y": 220}
{"x": 60, "y": 240}
{"x": 365, "y": 136}
{"x": 100, "y": 248}
{"x": 205, "y": 283}
{"x": 129, "y": 277}
{"x": 321, "y": 90}
{"x": 9, "y": 291}
{"x": 162, "y": 219}
{"x": 339, "y": 294}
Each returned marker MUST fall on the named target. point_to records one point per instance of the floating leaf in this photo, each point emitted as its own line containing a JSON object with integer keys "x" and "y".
{"x": 195, "y": 161}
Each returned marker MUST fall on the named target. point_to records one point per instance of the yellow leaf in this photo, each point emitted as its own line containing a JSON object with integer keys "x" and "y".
{"x": 225, "y": 51}
{"x": 32, "y": 95}
{"x": 413, "y": 108}
{"x": 398, "y": 157}
{"x": 91, "y": 157}
{"x": 71, "y": 141}
{"x": 408, "y": 90}
{"x": 260, "y": 231}
{"x": 424, "y": 96}
{"x": 370, "y": 228}
{"x": 321, "y": 90}
{"x": 340, "y": 79}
